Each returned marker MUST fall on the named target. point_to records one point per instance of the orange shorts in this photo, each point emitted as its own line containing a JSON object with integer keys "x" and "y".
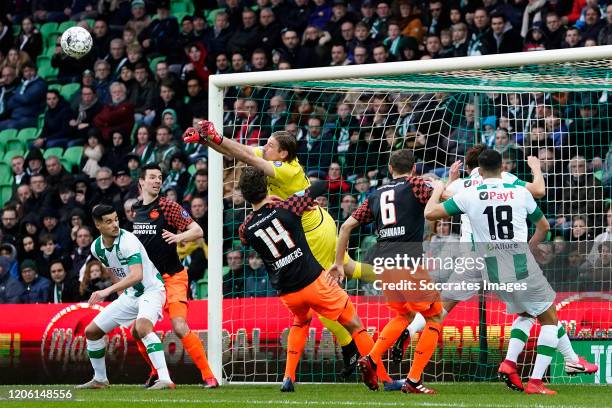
{"x": 176, "y": 293}
{"x": 427, "y": 309}
{"x": 330, "y": 301}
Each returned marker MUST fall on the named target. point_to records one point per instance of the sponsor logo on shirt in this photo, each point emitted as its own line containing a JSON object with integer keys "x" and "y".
{"x": 154, "y": 214}
{"x": 496, "y": 195}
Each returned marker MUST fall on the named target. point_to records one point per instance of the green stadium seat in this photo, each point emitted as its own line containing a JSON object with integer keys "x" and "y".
{"x": 65, "y": 25}
{"x": 66, "y": 164}
{"x": 180, "y": 15}
{"x": 73, "y": 155}
{"x": 16, "y": 145}
{"x": 53, "y": 151}
{"x": 16, "y": 29}
{"x": 48, "y": 73}
{"x": 154, "y": 62}
{"x": 49, "y": 51}
{"x": 47, "y": 29}
{"x": 8, "y": 156}
{"x": 43, "y": 60}
{"x": 90, "y": 22}
{"x": 6, "y": 192}
{"x": 57, "y": 87}
{"x": 69, "y": 90}
{"x": 178, "y": 7}
{"x": 192, "y": 169}
{"x": 5, "y": 173}
{"x": 6, "y": 135}
{"x": 26, "y": 135}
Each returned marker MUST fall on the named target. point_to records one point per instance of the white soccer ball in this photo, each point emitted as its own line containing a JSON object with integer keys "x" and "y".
{"x": 76, "y": 42}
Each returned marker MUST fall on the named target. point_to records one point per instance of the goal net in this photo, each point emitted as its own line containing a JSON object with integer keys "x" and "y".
{"x": 554, "y": 105}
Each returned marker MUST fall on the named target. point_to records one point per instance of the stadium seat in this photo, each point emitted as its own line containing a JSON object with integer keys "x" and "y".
{"x": 213, "y": 14}
{"x": 6, "y": 192}
{"x": 90, "y": 22}
{"x": 177, "y": 7}
{"x": 65, "y": 25}
{"x": 73, "y": 155}
{"x": 192, "y": 169}
{"x": 8, "y": 156}
{"x": 15, "y": 145}
{"x": 43, "y": 60}
{"x": 49, "y": 44}
{"x": 48, "y": 73}
{"x": 154, "y": 62}
{"x": 69, "y": 90}
{"x": 26, "y": 135}
{"x": 5, "y": 173}
{"x": 180, "y": 15}
{"x": 6, "y": 135}
{"x": 57, "y": 87}
{"x": 66, "y": 164}
{"x": 202, "y": 287}
{"x": 47, "y": 29}
{"x": 53, "y": 151}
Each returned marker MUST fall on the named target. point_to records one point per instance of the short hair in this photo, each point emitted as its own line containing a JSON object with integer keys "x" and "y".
{"x": 471, "y": 157}
{"x": 490, "y": 160}
{"x": 118, "y": 85}
{"x": 106, "y": 170}
{"x": 46, "y": 238}
{"x": 101, "y": 62}
{"x": 253, "y": 185}
{"x": 287, "y": 143}
{"x": 200, "y": 172}
{"x": 101, "y": 210}
{"x": 54, "y": 92}
{"x": 55, "y": 261}
{"x": 141, "y": 65}
{"x": 150, "y": 166}
{"x": 402, "y": 161}
{"x": 498, "y": 15}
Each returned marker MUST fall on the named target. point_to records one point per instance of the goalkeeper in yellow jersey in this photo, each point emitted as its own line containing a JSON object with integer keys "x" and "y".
{"x": 278, "y": 160}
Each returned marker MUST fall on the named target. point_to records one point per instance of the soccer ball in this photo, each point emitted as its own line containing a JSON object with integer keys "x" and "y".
{"x": 76, "y": 42}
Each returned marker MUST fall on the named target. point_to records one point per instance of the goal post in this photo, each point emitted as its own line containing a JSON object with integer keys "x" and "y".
{"x": 567, "y": 70}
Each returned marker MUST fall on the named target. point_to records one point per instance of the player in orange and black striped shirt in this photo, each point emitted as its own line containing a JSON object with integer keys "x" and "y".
{"x": 160, "y": 224}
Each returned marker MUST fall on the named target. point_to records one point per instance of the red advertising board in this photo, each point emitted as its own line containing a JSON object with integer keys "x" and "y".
{"x": 46, "y": 340}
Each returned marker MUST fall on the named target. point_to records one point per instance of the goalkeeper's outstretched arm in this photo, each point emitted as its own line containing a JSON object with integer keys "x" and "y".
{"x": 207, "y": 134}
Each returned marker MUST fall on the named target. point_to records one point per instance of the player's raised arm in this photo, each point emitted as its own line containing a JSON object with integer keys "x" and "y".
{"x": 207, "y": 134}
{"x": 537, "y": 187}
{"x": 434, "y": 210}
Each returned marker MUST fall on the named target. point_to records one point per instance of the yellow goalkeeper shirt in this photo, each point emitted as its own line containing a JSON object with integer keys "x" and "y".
{"x": 288, "y": 179}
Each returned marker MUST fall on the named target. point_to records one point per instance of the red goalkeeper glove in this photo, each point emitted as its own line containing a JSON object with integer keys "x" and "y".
{"x": 208, "y": 128}
{"x": 192, "y": 135}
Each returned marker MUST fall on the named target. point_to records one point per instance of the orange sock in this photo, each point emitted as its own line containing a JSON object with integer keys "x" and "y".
{"x": 364, "y": 344}
{"x": 298, "y": 335}
{"x": 424, "y": 350}
{"x": 388, "y": 336}
{"x": 193, "y": 346}
{"x": 143, "y": 352}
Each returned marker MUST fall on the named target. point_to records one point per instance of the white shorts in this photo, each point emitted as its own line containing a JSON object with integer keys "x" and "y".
{"x": 469, "y": 276}
{"x": 534, "y": 301}
{"x": 126, "y": 309}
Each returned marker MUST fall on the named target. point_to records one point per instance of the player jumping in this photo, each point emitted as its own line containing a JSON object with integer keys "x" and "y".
{"x": 498, "y": 213}
{"x": 142, "y": 299}
{"x": 397, "y": 211}
{"x": 278, "y": 160}
{"x": 274, "y": 230}
{"x": 160, "y": 224}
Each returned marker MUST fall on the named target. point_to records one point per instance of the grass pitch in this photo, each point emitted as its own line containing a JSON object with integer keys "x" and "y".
{"x": 466, "y": 395}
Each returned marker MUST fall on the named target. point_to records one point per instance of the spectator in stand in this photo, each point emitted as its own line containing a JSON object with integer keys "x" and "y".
{"x": 293, "y": 52}
{"x": 438, "y": 19}
{"x": 164, "y": 148}
{"x": 95, "y": 278}
{"x": 92, "y": 153}
{"x": 143, "y": 94}
{"x": 269, "y": 30}
{"x": 256, "y": 278}
{"x": 69, "y": 68}
{"x": 348, "y": 204}
{"x": 315, "y": 150}
{"x": 29, "y": 39}
{"x": 593, "y": 23}
{"x": 336, "y": 183}
{"x": 119, "y": 115}
{"x": 197, "y": 103}
{"x": 40, "y": 197}
{"x": 605, "y": 34}
{"x": 233, "y": 280}
{"x": 35, "y": 287}
{"x": 168, "y": 99}
{"x": 217, "y": 36}
{"x": 6, "y": 37}
{"x": 106, "y": 191}
{"x": 114, "y": 157}
{"x": 502, "y": 38}
{"x": 379, "y": 27}
{"x": 101, "y": 39}
{"x": 89, "y": 106}
{"x": 27, "y": 102}
{"x": 573, "y": 38}
{"x": 144, "y": 146}
{"x": 554, "y": 31}
{"x": 64, "y": 288}
{"x": 56, "y": 127}
{"x": 20, "y": 175}
{"x": 200, "y": 186}
{"x": 178, "y": 176}
{"x": 11, "y": 290}
{"x": 410, "y": 20}
{"x": 140, "y": 20}
{"x": 196, "y": 65}
{"x": 380, "y": 54}
{"x": 102, "y": 81}
{"x": 535, "y": 39}
{"x": 433, "y": 47}
{"x": 56, "y": 174}
{"x": 16, "y": 59}
{"x": 116, "y": 57}
{"x": 10, "y": 224}
{"x": 161, "y": 36}
{"x": 481, "y": 30}
{"x": 9, "y": 83}
{"x": 57, "y": 230}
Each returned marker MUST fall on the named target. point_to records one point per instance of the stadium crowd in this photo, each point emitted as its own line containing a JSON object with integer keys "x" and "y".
{"x": 145, "y": 81}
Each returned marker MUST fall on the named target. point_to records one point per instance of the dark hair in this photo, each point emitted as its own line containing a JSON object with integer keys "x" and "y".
{"x": 471, "y": 157}
{"x": 150, "y": 166}
{"x": 46, "y": 238}
{"x": 200, "y": 172}
{"x": 253, "y": 185}
{"x": 141, "y": 65}
{"x": 402, "y": 161}
{"x": 498, "y": 15}
{"x": 490, "y": 160}
{"x": 55, "y": 261}
{"x": 286, "y": 142}
{"x": 101, "y": 210}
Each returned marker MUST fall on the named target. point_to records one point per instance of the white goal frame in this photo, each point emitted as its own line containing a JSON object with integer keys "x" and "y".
{"x": 217, "y": 84}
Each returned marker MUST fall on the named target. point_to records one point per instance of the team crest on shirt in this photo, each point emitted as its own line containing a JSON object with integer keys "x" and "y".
{"x": 278, "y": 163}
{"x": 154, "y": 214}
{"x": 185, "y": 214}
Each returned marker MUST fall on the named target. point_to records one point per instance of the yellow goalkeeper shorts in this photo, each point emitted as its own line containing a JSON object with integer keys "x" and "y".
{"x": 322, "y": 240}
